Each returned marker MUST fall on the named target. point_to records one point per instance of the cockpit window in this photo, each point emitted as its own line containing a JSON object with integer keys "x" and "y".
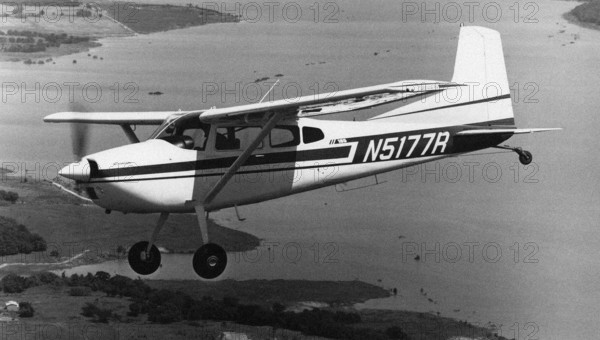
{"x": 199, "y": 135}
{"x": 236, "y": 137}
{"x": 284, "y": 136}
{"x": 311, "y": 134}
{"x": 185, "y": 132}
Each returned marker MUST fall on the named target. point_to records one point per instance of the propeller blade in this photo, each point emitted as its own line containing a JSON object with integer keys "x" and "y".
{"x": 79, "y": 133}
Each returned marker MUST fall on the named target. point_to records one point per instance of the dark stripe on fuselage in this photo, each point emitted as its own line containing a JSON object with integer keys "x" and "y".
{"x": 221, "y": 173}
{"x": 423, "y": 143}
{"x": 454, "y": 144}
{"x": 217, "y": 163}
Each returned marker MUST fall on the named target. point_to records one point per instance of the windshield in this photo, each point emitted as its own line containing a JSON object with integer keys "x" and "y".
{"x": 186, "y": 128}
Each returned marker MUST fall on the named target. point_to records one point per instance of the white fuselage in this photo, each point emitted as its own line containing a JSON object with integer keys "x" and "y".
{"x": 157, "y": 176}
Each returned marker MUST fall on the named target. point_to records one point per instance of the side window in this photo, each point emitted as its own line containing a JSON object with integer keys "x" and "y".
{"x": 199, "y": 135}
{"x": 311, "y": 134}
{"x": 236, "y": 137}
{"x": 284, "y": 136}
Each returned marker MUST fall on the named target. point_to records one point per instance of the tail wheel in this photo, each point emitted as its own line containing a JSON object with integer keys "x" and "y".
{"x": 142, "y": 262}
{"x": 525, "y": 157}
{"x": 210, "y": 261}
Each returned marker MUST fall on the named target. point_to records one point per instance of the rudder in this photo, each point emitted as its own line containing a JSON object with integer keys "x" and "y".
{"x": 480, "y": 64}
{"x": 484, "y": 98}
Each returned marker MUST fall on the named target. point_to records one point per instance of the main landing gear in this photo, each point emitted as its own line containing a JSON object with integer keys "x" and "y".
{"x": 144, "y": 257}
{"x": 525, "y": 157}
{"x": 209, "y": 261}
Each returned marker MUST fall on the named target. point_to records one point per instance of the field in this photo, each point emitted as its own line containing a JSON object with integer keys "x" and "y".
{"x": 29, "y": 28}
{"x": 146, "y": 18}
{"x": 60, "y": 314}
{"x": 71, "y": 228}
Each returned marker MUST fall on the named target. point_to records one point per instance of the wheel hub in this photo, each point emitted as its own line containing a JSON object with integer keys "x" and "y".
{"x": 141, "y": 260}
{"x": 212, "y": 261}
{"x": 209, "y": 261}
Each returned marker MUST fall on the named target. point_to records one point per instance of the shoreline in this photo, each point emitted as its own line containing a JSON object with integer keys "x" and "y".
{"x": 49, "y": 54}
{"x": 150, "y": 18}
{"x": 60, "y": 303}
{"x": 570, "y": 17}
{"x": 41, "y": 203}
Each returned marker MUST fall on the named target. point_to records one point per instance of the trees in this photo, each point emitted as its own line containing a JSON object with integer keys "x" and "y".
{"x": 15, "y": 238}
{"x": 25, "y": 309}
{"x": 13, "y": 283}
{"x": 101, "y": 314}
{"x": 396, "y": 332}
{"x": 9, "y": 196}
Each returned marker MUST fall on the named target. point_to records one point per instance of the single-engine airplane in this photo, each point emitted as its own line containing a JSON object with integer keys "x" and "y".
{"x": 188, "y": 163}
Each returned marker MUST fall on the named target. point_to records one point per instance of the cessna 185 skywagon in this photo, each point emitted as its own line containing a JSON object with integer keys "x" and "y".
{"x": 188, "y": 164}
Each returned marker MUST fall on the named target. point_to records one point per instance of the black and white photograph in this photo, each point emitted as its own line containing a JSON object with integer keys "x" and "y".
{"x": 302, "y": 169}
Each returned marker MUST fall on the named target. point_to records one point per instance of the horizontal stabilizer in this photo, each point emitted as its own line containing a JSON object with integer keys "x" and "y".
{"x": 503, "y": 131}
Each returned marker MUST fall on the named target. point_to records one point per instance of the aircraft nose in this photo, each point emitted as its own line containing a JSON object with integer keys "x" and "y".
{"x": 79, "y": 171}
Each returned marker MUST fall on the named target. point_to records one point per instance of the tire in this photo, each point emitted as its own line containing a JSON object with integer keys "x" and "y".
{"x": 525, "y": 157}
{"x": 139, "y": 262}
{"x": 209, "y": 261}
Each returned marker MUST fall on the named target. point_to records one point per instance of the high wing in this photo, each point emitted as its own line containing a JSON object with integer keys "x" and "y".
{"x": 331, "y": 102}
{"x": 117, "y": 118}
{"x": 312, "y": 105}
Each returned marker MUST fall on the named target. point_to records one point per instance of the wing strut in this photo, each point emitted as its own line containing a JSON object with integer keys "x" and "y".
{"x": 242, "y": 158}
{"x": 129, "y": 133}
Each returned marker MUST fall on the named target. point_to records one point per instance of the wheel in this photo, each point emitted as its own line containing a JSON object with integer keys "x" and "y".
{"x": 209, "y": 261}
{"x": 525, "y": 157}
{"x": 139, "y": 262}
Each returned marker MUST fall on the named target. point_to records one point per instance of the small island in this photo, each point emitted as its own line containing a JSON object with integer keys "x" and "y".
{"x": 587, "y": 14}
{"x": 42, "y": 29}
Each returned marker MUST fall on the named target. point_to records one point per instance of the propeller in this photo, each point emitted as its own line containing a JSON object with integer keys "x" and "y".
{"x": 79, "y": 133}
{"x": 79, "y": 170}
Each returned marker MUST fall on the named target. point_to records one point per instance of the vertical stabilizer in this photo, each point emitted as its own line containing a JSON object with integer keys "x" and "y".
{"x": 484, "y": 97}
{"x": 480, "y": 64}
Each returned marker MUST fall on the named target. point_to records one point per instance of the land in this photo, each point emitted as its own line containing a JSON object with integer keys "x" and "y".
{"x": 176, "y": 313}
{"x": 587, "y": 14}
{"x": 149, "y": 18}
{"x": 36, "y": 31}
{"x": 268, "y": 292}
{"x": 82, "y": 233}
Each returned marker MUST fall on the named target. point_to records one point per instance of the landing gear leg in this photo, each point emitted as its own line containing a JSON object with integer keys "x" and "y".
{"x": 144, "y": 257}
{"x": 525, "y": 157}
{"x": 210, "y": 259}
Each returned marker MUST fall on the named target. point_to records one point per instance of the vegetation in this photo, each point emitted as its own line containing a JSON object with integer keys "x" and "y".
{"x": 30, "y": 41}
{"x": 143, "y": 305}
{"x": 90, "y": 310}
{"x": 25, "y": 309}
{"x": 588, "y": 12}
{"x": 52, "y": 2}
{"x": 266, "y": 293}
{"x": 9, "y": 196}
{"x": 15, "y": 238}
{"x": 166, "y": 306}
{"x": 80, "y": 291}
{"x": 396, "y": 332}
{"x": 146, "y": 18}
{"x": 13, "y": 283}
